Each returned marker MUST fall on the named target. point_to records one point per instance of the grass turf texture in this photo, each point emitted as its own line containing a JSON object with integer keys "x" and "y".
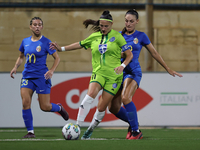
{"x": 102, "y": 139}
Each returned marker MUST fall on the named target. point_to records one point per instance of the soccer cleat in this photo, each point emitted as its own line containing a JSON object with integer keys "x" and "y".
{"x": 29, "y": 135}
{"x": 63, "y": 113}
{"x": 87, "y": 135}
{"x": 129, "y": 133}
{"x": 136, "y": 135}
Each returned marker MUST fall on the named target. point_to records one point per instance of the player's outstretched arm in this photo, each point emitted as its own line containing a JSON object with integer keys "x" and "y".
{"x": 70, "y": 47}
{"x": 160, "y": 60}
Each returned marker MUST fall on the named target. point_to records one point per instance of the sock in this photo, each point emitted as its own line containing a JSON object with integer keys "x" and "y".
{"x": 132, "y": 115}
{"x": 122, "y": 114}
{"x": 28, "y": 120}
{"x": 55, "y": 108}
{"x": 84, "y": 109}
{"x": 98, "y": 116}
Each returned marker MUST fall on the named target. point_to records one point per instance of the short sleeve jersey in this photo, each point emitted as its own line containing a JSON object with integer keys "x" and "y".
{"x": 135, "y": 42}
{"x": 36, "y": 55}
{"x": 106, "y": 52}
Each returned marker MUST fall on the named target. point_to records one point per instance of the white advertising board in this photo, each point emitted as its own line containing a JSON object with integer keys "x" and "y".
{"x": 161, "y": 100}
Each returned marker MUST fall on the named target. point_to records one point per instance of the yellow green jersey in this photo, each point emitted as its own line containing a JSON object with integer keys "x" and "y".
{"x": 106, "y": 52}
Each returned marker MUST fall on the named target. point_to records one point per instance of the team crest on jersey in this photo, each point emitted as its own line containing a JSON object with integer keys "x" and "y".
{"x": 135, "y": 40}
{"x": 38, "y": 48}
{"x": 112, "y": 39}
{"x": 102, "y": 48}
{"x": 114, "y": 85}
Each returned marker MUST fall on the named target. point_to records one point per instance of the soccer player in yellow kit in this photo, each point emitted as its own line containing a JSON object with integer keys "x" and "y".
{"x": 106, "y": 45}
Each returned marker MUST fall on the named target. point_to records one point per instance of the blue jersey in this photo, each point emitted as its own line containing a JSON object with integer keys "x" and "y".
{"x": 36, "y": 55}
{"x": 135, "y": 41}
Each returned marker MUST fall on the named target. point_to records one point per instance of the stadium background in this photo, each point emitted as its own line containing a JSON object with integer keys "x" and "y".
{"x": 172, "y": 25}
{"x": 173, "y": 28}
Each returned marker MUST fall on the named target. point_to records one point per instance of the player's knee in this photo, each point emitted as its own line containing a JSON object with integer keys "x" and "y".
{"x": 45, "y": 107}
{"x": 114, "y": 109}
{"x": 125, "y": 99}
{"x": 26, "y": 104}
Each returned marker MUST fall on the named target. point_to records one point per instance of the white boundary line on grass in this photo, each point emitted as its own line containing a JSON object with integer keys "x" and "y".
{"x": 31, "y": 139}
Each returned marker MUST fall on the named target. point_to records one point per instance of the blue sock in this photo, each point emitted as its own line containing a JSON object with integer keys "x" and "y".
{"x": 55, "y": 108}
{"x": 28, "y": 119}
{"x": 122, "y": 114}
{"x": 132, "y": 115}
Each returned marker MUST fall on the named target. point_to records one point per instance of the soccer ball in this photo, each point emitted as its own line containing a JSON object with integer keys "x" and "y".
{"x": 71, "y": 131}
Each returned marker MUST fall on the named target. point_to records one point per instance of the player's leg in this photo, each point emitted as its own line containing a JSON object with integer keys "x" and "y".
{"x": 27, "y": 89}
{"x": 45, "y": 105}
{"x": 129, "y": 88}
{"x": 95, "y": 86}
{"x": 99, "y": 114}
{"x": 110, "y": 89}
{"x": 43, "y": 90}
{"x": 116, "y": 108}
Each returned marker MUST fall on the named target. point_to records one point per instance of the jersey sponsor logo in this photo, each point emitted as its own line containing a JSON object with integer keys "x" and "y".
{"x": 70, "y": 94}
{"x": 38, "y": 48}
{"x": 112, "y": 39}
{"x": 135, "y": 40}
{"x": 29, "y": 58}
{"x": 131, "y": 47}
{"x": 102, "y": 48}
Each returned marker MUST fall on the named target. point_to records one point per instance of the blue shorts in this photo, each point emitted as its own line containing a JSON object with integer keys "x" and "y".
{"x": 137, "y": 76}
{"x": 40, "y": 85}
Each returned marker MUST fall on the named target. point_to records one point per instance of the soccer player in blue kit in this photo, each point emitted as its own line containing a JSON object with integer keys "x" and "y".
{"x": 132, "y": 75}
{"x": 36, "y": 75}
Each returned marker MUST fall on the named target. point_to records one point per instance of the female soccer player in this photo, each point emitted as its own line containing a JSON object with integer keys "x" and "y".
{"x": 133, "y": 74}
{"x": 36, "y": 76}
{"x": 106, "y": 45}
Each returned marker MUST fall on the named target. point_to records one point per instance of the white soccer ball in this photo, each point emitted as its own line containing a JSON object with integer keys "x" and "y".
{"x": 71, "y": 131}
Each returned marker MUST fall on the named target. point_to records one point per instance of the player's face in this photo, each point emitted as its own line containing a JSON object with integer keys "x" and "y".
{"x": 105, "y": 26}
{"x": 36, "y": 27}
{"x": 130, "y": 22}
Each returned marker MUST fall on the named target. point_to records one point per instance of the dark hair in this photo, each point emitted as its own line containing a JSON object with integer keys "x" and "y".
{"x": 35, "y": 18}
{"x": 132, "y": 12}
{"x": 105, "y": 15}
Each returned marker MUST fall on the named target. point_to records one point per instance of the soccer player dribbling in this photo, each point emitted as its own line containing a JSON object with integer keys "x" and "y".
{"x": 107, "y": 74}
{"x": 132, "y": 75}
{"x": 36, "y": 76}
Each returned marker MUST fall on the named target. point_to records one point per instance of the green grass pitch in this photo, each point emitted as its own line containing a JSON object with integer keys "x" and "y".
{"x": 102, "y": 139}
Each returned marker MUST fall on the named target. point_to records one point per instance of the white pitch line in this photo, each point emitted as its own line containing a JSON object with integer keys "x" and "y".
{"x": 31, "y": 140}
{"x": 13, "y": 130}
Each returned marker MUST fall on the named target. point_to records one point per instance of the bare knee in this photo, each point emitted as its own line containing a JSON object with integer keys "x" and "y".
{"x": 26, "y": 103}
{"x": 46, "y": 107}
{"x": 126, "y": 100}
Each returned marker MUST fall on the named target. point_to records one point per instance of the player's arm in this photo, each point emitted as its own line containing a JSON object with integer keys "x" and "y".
{"x": 70, "y": 47}
{"x": 17, "y": 64}
{"x": 49, "y": 74}
{"x": 128, "y": 57}
{"x": 160, "y": 60}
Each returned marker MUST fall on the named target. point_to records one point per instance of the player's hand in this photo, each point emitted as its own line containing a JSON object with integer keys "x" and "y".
{"x": 14, "y": 70}
{"x": 174, "y": 73}
{"x": 55, "y": 46}
{"x": 48, "y": 74}
{"x": 119, "y": 70}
